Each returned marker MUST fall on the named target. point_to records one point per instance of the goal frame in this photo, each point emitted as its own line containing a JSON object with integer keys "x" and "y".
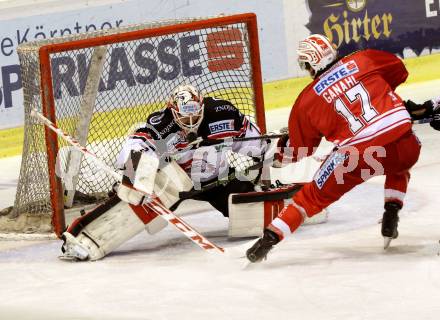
{"x": 48, "y": 99}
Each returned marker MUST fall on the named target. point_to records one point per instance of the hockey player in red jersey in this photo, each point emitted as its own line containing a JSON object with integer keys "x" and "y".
{"x": 351, "y": 103}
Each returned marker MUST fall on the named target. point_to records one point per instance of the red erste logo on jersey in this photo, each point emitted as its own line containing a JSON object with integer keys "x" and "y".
{"x": 334, "y": 75}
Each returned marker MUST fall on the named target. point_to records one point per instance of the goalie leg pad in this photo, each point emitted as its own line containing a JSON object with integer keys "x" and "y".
{"x": 250, "y": 213}
{"x": 99, "y": 233}
{"x": 153, "y": 222}
{"x": 156, "y": 225}
{"x": 73, "y": 249}
{"x": 250, "y": 219}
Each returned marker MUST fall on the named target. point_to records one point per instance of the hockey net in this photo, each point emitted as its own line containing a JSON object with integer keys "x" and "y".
{"x": 97, "y": 87}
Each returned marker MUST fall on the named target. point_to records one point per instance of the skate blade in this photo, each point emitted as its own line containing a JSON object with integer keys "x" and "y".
{"x": 68, "y": 258}
{"x": 249, "y": 265}
{"x": 239, "y": 252}
{"x": 386, "y": 242}
{"x": 246, "y": 265}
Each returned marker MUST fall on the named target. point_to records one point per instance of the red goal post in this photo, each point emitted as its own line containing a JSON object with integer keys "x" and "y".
{"x": 97, "y": 86}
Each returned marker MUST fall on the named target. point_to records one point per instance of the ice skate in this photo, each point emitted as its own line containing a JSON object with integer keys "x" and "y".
{"x": 72, "y": 250}
{"x": 261, "y": 248}
{"x": 390, "y": 221}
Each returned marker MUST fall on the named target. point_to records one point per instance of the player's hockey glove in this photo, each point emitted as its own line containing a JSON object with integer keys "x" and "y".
{"x": 429, "y": 109}
{"x": 282, "y": 145}
{"x": 435, "y": 122}
{"x": 419, "y": 111}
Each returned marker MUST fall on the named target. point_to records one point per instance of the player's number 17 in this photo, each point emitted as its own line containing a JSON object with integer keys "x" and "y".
{"x": 358, "y": 92}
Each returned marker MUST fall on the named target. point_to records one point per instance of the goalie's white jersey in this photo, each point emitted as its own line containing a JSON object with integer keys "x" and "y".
{"x": 209, "y": 159}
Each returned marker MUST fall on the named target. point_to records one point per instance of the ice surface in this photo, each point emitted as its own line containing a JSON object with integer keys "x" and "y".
{"x": 337, "y": 270}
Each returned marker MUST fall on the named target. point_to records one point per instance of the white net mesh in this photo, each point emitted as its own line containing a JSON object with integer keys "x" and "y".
{"x": 134, "y": 80}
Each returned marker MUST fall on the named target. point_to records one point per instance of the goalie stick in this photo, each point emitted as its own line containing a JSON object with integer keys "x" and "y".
{"x": 236, "y": 139}
{"x": 153, "y": 203}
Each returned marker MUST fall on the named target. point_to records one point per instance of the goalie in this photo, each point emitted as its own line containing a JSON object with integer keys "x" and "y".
{"x": 186, "y": 147}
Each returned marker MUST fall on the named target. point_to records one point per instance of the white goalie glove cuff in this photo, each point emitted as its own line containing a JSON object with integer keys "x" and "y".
{"x": 435, "y": 104}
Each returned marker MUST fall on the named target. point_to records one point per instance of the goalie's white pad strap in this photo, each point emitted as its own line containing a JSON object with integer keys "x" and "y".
{"x": 129, "y": 195}
{"x": 171, "y": 180}
{"x": 146, "y": 172}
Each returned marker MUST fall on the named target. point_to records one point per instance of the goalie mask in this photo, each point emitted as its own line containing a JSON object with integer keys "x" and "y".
{"x": 315, "y": 53}
{"x": 186, "y": 104}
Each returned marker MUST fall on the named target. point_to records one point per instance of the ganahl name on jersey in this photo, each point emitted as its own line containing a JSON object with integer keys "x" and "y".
{"x": 328, "y": 167}
{"x": 330, "y": 85}
{"x": 221, "y": 126}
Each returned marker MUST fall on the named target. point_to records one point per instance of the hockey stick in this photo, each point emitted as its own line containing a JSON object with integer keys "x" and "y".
{"x": 231, "y": 176}
{"x": 236, "y": 139}
{"x": 262, "y": 137}
{"x": 422, "y": 121}
{"x": 153, "y": 203}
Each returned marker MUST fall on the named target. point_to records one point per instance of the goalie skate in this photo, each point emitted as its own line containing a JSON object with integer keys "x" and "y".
{"x": 72, "y": 249}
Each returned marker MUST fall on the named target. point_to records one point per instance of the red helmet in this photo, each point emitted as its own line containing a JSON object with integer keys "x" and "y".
{"x": 186, "y": 104}
{"x": 317, "y": 51}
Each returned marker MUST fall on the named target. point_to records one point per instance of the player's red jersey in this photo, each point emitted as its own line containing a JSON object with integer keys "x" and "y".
{"x": 352, "y": 103}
